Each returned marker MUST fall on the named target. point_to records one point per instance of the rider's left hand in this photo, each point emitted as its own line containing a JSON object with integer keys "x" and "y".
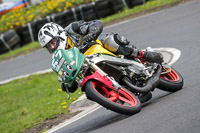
{"x": 89, "y": 37}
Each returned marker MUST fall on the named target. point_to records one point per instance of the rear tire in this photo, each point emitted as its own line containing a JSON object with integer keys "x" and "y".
{"x": 123, "y": 102}
{"x": 171, "y": 82}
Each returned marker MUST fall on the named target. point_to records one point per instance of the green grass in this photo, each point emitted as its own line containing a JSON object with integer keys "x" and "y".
{"x": 29, "y": 101}
{"x": 149, "y": 5}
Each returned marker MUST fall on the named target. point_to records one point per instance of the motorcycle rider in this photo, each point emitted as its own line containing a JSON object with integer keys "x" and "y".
{"x": 52, "y": 36}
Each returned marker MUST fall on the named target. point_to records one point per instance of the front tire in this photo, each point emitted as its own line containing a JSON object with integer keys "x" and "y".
{"x": 171, "y": 82}
{"x": 122, "y": 101}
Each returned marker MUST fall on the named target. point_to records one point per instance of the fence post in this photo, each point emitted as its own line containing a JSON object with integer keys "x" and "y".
{"x": 124, "y": 2}
{"x": 81, "y": 12}
{"x": 74, "y": 14}
{"x": 5, "y": 43}
{"x": 30, "y": 32}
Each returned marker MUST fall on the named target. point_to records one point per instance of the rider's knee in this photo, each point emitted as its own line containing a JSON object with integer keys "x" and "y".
{"x": 117, "y": 44}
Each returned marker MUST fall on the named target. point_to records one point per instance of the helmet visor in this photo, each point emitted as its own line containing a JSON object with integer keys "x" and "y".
{"x": 52, "y": 45}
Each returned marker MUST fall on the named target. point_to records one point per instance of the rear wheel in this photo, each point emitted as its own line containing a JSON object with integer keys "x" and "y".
{"x": 122, "y": 101}
{"x": 172, "y": 81}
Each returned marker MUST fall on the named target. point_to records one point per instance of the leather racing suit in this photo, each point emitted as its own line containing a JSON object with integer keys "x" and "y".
{"x": 82, "y": 31}
{"x": 88, "y": 31}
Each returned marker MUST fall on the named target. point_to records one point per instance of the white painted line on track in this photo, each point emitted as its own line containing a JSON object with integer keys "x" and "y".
{"x": 75, "y": 118}
{"x": 23, "y": 76}
{"x": 176, "y": 53}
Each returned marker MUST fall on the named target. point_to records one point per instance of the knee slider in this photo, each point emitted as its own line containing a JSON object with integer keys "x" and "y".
{"x": 117, "y": 43}
{"x": 110, "y": 43}
{"x": 121, "y": 40}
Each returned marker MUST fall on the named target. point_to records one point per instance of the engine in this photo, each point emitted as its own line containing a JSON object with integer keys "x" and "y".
{"x": 135, "y": 73}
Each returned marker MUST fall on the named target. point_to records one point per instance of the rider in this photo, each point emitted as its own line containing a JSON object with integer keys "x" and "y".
{"x": 52, "y": 36}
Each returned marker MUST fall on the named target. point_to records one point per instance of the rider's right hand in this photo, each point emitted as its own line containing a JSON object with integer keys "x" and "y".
{"x": 65, "y": 88}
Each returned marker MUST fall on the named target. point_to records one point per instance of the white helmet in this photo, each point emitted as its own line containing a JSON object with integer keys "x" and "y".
{"x": 50, "y": 31}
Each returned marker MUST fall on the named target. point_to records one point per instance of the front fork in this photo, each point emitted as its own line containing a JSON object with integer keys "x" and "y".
{"x": 94, "y": 67}
{"x": 166, "y": 69}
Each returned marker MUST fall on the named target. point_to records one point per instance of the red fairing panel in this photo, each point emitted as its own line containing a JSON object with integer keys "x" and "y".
{"x": 98, "y": 76}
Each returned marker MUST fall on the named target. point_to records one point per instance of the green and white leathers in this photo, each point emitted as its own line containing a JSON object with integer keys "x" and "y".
{"x": 67, "y": 64}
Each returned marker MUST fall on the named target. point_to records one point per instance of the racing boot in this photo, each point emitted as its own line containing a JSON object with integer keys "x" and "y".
{"x": 154, "y": 57}
{"x": 144, "y": 97}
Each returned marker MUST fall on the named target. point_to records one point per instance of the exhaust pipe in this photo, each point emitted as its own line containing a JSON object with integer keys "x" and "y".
{"x": 150, "y": 85}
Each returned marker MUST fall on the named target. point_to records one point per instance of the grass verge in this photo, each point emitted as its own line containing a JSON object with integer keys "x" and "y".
{"x": 29, "y": 101}
{"x": 152, "y": 4}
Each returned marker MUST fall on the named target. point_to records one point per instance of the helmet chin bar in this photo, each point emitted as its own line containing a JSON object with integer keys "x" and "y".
{"x": 48, "y": 49}
{"x": 58, "y": 42}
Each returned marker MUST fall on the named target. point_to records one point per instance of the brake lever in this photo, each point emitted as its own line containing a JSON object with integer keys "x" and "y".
{"x": 65, "y": 89}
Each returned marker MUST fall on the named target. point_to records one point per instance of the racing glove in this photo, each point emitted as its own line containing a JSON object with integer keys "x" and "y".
{"x": 151, "y": 56}
{"x": 89, "y": 37}
{"x": 95, "y": 28}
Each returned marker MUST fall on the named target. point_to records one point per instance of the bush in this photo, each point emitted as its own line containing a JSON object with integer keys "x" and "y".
{"x": 22, "y": 16}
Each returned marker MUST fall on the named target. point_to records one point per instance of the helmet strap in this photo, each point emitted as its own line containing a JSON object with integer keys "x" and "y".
{"x": 58, "y": 42}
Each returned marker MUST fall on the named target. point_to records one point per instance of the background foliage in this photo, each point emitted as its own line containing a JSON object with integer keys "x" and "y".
{"x": 22, "y": 16}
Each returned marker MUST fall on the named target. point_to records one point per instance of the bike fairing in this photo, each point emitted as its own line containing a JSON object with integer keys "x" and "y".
{"x": 90, "y": 75}
{"x": 67, "y": 64}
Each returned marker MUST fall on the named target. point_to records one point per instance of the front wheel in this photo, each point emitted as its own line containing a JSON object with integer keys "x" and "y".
{"x": 171, "y": 82}
{"x": 122, "y": 101}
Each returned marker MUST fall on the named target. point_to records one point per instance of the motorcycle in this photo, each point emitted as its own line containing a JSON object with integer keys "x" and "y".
{"x": 113, "y": 81}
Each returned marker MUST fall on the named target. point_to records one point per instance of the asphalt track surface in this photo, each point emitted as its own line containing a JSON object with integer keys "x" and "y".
{"x": 179, "y": 112}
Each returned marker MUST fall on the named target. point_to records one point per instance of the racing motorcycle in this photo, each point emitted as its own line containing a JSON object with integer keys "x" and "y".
{"x": 116, "y": 83}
